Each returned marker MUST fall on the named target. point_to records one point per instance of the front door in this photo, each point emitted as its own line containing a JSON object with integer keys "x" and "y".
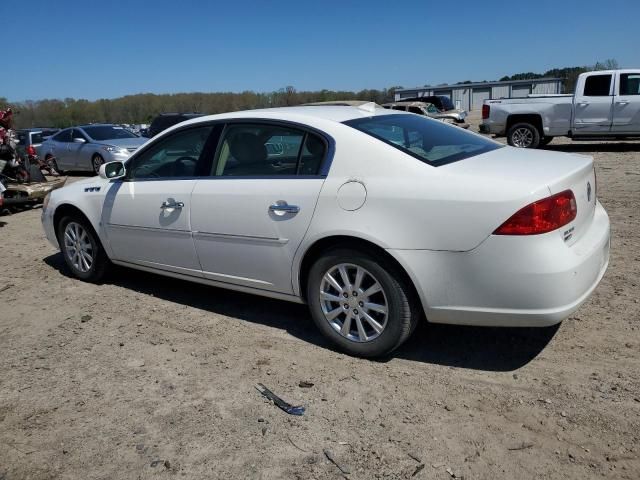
{"x": 593, "y": 105}
{"x": 250, "y": 216}
{"x": 75, "y": 147}
{"x": 626, "y": 104}
{"x": 147, "y": 215}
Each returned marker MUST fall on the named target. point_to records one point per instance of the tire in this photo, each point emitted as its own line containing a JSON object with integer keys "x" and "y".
{"x": 96, "y": 162}
{"x": 92, "y": 247}
{"x": 54, "y": 163}
{"x": 545, "y": 140}
{"x": 523, "y": 135}
{"x": 330, "y": 316}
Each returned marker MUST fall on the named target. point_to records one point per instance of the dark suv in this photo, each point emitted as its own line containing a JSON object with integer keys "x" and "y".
{"x": 166, "y": 120}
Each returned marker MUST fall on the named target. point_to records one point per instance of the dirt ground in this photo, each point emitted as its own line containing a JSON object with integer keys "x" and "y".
{"x": 148, "y": 377}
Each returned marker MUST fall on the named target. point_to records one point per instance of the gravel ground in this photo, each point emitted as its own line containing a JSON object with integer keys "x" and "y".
{"x": 145, "y": 377}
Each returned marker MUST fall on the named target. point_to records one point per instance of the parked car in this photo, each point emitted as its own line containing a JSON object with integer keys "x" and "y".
{"x": 606, "y": 105}
{"x": 28, "y": 137}
{"x": 455, "y": 117}
{"x": 166, "y": 120}
{"x": 376, "y": 219}
{"x": 441, "y": 102}
{"x": 86, "y": 147}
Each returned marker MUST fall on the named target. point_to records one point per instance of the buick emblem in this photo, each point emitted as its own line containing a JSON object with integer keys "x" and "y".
{"x": 588, "y": 191}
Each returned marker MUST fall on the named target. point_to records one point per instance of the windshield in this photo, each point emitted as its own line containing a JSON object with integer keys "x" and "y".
{"x": 108, "y": 132}
{"x": 430, "y": 141}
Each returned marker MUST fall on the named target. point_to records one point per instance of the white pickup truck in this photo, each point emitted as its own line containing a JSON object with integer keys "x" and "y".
{"x": 606, "y": 106}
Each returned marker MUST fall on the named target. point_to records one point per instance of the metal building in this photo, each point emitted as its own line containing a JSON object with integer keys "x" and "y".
{"x": 470, "y": 96}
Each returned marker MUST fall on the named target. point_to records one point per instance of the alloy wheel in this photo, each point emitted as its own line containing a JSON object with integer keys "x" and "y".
{"x": 353, "y": 302}
{"x": 78, "y": 247}
{"x": 522, "y": 137}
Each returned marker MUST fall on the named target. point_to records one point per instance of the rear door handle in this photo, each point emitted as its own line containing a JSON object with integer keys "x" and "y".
{"x": 177, "y": 205}
{"x": 583, "y": 104}
{"x": 622, "y": 102}
{"x": 281, "y": 207}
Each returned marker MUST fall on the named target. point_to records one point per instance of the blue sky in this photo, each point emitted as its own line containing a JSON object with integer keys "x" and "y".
{"x": 89, "y": 49}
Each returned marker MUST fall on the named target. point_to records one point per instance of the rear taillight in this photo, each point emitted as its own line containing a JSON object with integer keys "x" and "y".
{"x": 542, "y": 216}
{"x": 31, "y": 150}
{"x": 486, "y": 109}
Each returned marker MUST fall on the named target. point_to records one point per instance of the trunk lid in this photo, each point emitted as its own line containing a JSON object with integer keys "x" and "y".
{"x": 531, "y": 175}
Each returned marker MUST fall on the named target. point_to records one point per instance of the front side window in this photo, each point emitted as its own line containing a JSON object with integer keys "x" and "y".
{"x": 267, "y": 150}
{"x": 630, "y": 84}
{"x": 176, "y": 155}
{"x": 416, "y": 110}
{"x": 108, "y": 132}
{"x": 431, "y": 142}
{"x": 77, "y": 134}
{"x": 597, "y": 86}
{"x": 63, "y": 136}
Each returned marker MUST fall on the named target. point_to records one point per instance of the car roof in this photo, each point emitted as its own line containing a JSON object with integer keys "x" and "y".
{"x": 333, "y": 113}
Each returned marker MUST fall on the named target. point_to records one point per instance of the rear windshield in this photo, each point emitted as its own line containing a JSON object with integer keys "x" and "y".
{"x": 446, "y": 103}
{"x": 107, "y": 132}
{"x": 430, "y": 141}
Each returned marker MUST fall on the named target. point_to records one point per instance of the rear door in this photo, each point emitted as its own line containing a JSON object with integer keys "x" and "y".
{"x": 147, "y": 215}
{"x": 249, "y": 217}
{"x": 593, "y": 104}
{"x": 58, "y": 148}
{"x": 626, "y": 104}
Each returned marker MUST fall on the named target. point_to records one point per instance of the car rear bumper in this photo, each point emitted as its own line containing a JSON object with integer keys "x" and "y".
{"x": 511, "y": 281}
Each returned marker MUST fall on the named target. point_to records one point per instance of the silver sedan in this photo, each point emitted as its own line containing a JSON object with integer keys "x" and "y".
{"x": 87, "y": 147}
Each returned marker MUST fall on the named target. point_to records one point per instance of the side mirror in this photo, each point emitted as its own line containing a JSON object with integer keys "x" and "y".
{"x": 79, "y": 140}
{"x": 112, "y": 170}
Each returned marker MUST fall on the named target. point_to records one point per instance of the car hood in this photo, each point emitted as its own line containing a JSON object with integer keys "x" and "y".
{"x": 124, "y": 142}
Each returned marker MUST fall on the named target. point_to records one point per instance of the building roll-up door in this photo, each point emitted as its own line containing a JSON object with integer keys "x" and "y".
{"x": 520, "y": 91}
{"x": 478, "y": 97}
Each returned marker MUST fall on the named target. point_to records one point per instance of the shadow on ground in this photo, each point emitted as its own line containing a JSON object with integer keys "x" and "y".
{"x": 478, "y": 348}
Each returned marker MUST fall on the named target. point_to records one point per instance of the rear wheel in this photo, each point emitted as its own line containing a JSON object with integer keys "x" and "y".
{"x": 361, "y": 303}
{"x": 96, "y": 163}
{"x": 523, "y": 135}
{"x": 52, "y": 161}
{"x": 81, "y": 249}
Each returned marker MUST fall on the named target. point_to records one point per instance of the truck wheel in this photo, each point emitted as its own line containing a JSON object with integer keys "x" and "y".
{"x": 523, "y": 135}
{"x": 545, "y": 140}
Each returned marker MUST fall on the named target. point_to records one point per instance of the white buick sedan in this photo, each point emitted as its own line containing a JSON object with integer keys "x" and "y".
{"x": 374, "y": 218}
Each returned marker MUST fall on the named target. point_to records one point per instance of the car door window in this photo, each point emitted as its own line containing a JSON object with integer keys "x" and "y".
{"x": 416, "y": 110}
{"x": 597, "y": 86}
{"x": 630, "y": 84}
{"x": 176, "y": 155}
{"x": 77, "y": 134}
{"x": 63, "y": 136}
{"x": 264, "y": 150}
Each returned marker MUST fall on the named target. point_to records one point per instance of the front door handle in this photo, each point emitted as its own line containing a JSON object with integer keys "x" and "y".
{"x": 281, "y": 207}
{"x": 177, "y": 205}
{"x": 583, "y": 104}
{"x": 622, "y": 102}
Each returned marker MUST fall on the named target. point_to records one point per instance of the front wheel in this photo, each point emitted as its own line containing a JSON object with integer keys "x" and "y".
{"x": 523, "y": 135}
{"x": 81, "y": 249}
{"x": 361, "y": 303}
{"x": 96, "y": 163}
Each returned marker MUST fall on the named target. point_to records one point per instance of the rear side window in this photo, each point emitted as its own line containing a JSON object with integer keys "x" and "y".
{"x": 630, "y": 84}
{"x": 430, "y": 141}
{"x": 36, "y": 137}
{"x": 250, "y": 150}
{"x": 597, "y": 86}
